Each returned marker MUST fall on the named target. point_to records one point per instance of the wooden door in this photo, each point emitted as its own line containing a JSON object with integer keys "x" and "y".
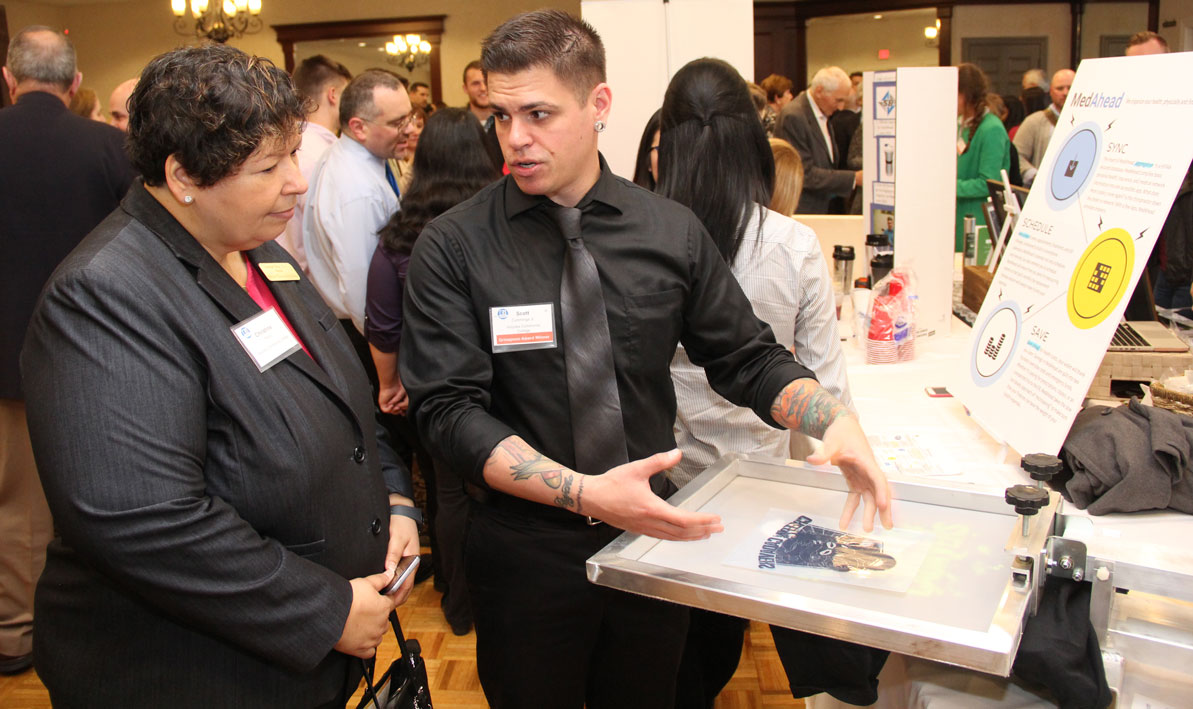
{"x": 1004, "y": 59}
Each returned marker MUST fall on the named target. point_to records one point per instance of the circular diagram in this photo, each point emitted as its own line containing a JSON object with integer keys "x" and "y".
{"x": 996, "y": 342}
{"x": 1074, "y": 164}
{"x": 1100, "y": 279}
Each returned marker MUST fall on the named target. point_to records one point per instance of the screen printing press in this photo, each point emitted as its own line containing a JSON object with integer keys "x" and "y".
{"x": 952, "y": 586}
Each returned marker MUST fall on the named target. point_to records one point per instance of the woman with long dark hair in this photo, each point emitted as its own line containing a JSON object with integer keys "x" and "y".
{"x": 983, "y": 148}
{"x": 715, "y": 159}
{"x": 646, "y": 167}
{"x": 450, "y": 165}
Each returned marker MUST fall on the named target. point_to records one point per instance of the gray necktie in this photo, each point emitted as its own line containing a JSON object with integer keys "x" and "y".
{"x": 598, "y": 432}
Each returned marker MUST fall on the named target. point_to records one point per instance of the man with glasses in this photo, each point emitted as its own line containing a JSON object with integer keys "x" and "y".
{"x": 353, "y": 193}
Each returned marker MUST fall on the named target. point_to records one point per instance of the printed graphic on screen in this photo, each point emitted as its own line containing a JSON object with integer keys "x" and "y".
{"x": 803, "y": 546}
{"x": 801, "y": 543}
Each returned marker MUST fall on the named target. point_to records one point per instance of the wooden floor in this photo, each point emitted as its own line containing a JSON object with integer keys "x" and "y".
{"x": 451, "y": 665}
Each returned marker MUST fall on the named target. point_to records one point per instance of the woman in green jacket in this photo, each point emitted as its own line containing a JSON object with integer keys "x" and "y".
{"x": 983, "y": 148}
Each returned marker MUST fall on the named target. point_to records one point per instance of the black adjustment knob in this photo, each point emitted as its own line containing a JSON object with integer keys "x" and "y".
{"x": 1026, "y": 499}
{"x": 1041, "y": 466}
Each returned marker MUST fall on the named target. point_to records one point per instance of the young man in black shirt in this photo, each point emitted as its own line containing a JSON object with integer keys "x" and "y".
{"x": 485, "y": 359}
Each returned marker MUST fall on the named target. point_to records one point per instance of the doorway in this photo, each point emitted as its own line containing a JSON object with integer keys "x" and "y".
{"x": 1004, "y": 59}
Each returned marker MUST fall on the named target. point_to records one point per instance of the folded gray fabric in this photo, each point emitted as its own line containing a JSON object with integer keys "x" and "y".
{"x": 1130, "y": 458}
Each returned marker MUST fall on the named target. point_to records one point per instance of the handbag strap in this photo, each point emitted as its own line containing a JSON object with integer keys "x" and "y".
{"x": 397, "y": 626}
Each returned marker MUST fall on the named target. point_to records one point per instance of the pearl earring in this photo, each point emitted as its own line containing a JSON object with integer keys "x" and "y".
{"x": 599, "y": 126}
{"x": 188, "y": 199}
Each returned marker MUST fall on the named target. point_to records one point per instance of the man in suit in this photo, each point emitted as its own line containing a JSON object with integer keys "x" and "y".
{"x": 60, "y": 175}
{"x": 804, "y": 124}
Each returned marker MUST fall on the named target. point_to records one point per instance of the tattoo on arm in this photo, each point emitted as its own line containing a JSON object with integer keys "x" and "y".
{"x": 580, "y": 494}
{"x": 565, "y": 498}
{"x": 529, "y": 463}
{"x": 805, "y": 406}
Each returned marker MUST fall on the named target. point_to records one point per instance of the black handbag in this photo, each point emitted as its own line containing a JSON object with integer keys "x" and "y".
{"x": 404, "y": 684}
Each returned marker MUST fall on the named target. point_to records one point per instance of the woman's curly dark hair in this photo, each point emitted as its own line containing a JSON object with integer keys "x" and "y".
{"x": 211, "y": 107}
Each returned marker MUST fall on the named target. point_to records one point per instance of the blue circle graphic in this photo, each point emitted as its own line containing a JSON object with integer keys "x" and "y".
{"x": 1074, "y": 164}
{"x": 995, "y": 344}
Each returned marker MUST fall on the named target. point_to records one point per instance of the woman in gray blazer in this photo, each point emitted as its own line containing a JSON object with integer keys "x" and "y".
{"x": 225, "y": 511}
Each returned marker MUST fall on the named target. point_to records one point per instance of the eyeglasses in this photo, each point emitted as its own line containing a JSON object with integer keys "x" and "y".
{"x": 397, "y": 124}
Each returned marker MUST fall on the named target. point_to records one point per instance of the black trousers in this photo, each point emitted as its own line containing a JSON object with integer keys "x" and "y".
{"x": 710, "y": 658}
{"x": 546, "y": 637}
{"x": 451, "y": 527}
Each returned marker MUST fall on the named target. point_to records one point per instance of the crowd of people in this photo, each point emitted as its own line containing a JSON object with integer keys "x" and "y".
{"x": 258, "y": 301}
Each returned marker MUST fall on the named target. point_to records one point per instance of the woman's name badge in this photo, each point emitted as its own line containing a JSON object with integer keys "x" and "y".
{"x": 266, "y": 338}
{"x": 280, "y": 271}
{"x": 522, "y": 327}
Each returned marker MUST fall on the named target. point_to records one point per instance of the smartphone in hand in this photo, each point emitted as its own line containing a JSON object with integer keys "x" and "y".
{"x": 405, "y": 568}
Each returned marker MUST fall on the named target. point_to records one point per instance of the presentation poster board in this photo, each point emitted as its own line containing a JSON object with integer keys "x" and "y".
{"x": 1118, "y": 155}
{"x": 909, "y": 129}
{"x": 646, "y": 42}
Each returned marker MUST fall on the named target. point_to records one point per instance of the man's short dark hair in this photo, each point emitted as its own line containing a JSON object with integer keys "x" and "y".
{"x": 419, "y": 85}
{"x": 357, "y": 101}
{"x": 211, "y": 107}
{"x": 34, "y": 59}
{"x": 1144, "y": 37}
{"x": 570, "y": 47}
{"x": 856, "y": 75}
{"x": 315, "y": 73}
{"x": 474, "y": 64}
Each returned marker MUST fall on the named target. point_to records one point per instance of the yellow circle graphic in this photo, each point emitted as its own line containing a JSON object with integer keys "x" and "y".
{"x": 1101, "y": 277}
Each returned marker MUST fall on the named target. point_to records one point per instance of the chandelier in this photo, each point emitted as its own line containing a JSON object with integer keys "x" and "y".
{"x": 216, "y": 20}
{"x": 409, "y": 51}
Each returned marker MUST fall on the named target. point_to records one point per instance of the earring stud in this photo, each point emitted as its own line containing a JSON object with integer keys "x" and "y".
{"x": 188, "y": 199}
{"x": 599, "y": 126}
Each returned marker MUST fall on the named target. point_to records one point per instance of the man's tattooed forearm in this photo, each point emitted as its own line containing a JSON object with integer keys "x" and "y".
{"x": 804, "y": 406}
{"x": 527, "y": 464}
{"x": 565, "y": 498}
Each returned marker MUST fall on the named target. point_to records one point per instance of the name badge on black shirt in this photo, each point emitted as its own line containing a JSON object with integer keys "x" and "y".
{"x": 522, "y": 327}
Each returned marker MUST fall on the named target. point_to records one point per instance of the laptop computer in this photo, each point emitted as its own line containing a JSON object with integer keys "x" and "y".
{"x": 1145, "y": 336}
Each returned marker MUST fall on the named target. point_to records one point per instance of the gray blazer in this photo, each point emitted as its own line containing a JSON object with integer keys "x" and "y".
{"x": 208, "y": 515}
{"x": 798, "y": 126}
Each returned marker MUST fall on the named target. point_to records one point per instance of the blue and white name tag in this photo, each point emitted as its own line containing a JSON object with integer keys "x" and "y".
{"x": 266, "y": 338}
{"x": 523, "y": 327}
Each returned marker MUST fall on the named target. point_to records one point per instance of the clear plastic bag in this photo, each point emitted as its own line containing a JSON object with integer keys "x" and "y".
{"x": 890, "y": 331}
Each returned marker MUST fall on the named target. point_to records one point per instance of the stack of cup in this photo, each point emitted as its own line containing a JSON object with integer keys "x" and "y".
{"x": 891, "y": 335}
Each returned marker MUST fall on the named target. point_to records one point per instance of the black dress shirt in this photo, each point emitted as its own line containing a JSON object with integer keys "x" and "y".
{"x": 663, "y": 281}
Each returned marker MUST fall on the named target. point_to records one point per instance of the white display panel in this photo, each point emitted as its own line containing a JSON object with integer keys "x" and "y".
{"x": 646, "y": 42}
{"x": 635, "y": 36}
{"x": 926, "y": 188}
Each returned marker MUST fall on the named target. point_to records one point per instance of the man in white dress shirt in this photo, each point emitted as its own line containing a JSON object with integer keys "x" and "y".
{"x": 804, "y": 123}
{"x": 353, "y": 192}
{"x": 320, "y": 81}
